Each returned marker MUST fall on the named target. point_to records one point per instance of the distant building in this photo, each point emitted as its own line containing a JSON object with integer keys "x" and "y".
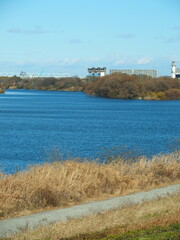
{"x": 7, "y": 74}
{"x": 97, "y": 72}
{"x": 175, "y": 72}
{"x": 146, "y": 72}
{"x": 23, "y": 74}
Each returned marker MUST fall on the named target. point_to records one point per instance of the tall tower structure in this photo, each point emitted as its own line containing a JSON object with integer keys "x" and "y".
{"x": 173, "y": 70}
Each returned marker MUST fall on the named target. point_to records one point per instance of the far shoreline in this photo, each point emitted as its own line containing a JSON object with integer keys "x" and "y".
{"x": 92, "y": 95}
{"x": 115, "y": 86}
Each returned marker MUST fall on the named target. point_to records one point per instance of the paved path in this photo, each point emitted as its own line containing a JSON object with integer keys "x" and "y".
{"x": 9, "y": 227}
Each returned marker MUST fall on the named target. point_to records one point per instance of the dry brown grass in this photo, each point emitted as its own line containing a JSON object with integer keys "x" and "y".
{"x": 159, "y": 212}
{"x": 60, "y": 184}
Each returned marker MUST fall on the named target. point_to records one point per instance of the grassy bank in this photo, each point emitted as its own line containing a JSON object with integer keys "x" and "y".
{"x": 61, "y": 184}
{"x": 158, "y": 219}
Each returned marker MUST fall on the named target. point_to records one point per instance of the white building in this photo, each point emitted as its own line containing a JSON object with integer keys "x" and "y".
{"x": 147, "y": 72}
{"x": 97, "y": 72}
{"x": 175, "y": 72}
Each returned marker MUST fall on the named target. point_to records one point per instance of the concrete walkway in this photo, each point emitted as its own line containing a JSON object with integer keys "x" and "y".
{"x": 12, "y": 226}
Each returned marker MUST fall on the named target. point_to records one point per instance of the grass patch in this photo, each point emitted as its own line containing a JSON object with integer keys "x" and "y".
{"x": 171, "y": 232}
{"x": 130, "y": 222}
{"x": 158, "y": 233}
{"x": 62, "y": 184}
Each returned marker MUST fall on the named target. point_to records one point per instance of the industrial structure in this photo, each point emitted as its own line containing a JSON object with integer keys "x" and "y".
{"x": 97, "y": 72}
{"x": 43, "y": 75}
{"x": 175, "y": 72}
{"x": 23, "y": 74}
{"x": 147, "y": 72}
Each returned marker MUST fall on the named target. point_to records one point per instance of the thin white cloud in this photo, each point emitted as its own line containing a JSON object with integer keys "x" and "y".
{"x": 68, "y": 61}
{"x": 144, "y": 60}
{"x": 35, "y": 30}
{"x": 177, "y": 27}
{"x": 47, "y": 62}
{"x": 75, "y": 40}
{"x": 126, "y": 35}
{"x": 173, "y": 39}
{"x": 160, "y": 37}
{"x": 119, "y": 62}
{"x": 95, "y": 59}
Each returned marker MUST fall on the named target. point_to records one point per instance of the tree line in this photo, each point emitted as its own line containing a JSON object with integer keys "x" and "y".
{"x": 123, "y": 86}
{"x": 43, "y": 83}
{"x": 116, "y": 85}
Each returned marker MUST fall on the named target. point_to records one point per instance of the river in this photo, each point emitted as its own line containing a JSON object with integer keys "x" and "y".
{"x": 36, "y": 123}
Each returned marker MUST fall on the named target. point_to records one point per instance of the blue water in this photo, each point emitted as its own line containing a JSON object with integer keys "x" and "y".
{"x": 32, "y": 123}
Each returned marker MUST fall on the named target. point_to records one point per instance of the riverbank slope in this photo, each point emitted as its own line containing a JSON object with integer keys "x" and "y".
{"x": 106, "y": 212}
{"x": 62, "y": 184}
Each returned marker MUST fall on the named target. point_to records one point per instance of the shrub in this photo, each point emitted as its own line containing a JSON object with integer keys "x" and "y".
{"x": 172, "y": 94}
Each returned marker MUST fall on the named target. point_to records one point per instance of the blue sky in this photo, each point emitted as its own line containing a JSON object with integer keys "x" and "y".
{"x": 68, "y": 36}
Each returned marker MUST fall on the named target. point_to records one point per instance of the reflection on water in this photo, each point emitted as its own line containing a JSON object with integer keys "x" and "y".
{"x": 21, "y": 92}
{"x": 35, "y": 122}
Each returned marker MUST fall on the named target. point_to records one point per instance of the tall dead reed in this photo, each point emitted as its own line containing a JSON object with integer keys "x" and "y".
{"x": 59, "y": 184}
